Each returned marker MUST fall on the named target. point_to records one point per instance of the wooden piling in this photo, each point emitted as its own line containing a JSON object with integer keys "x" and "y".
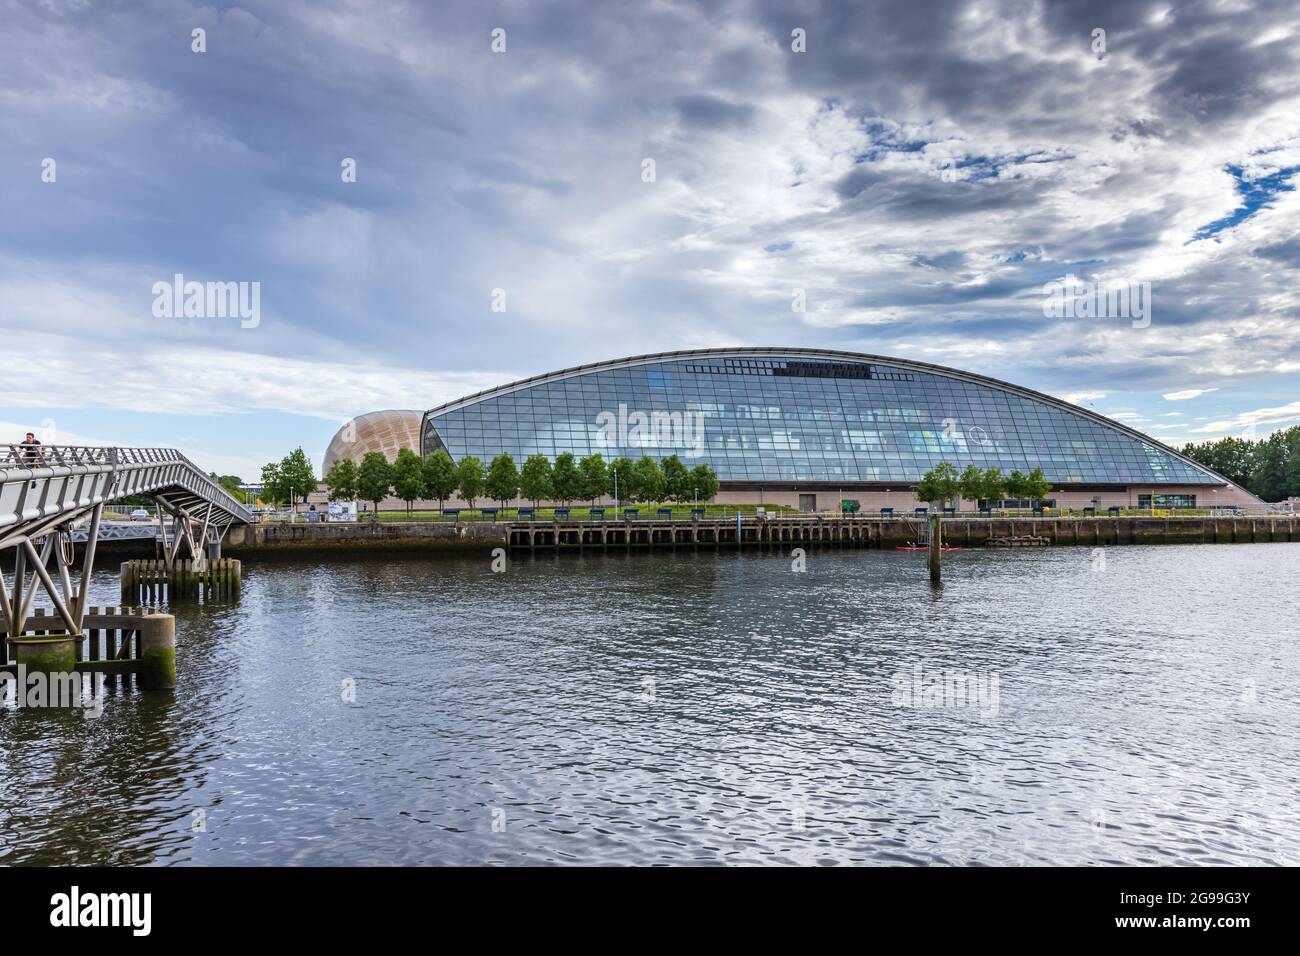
{"x": 154, "y": 582}
{"x": 936, "y": 549}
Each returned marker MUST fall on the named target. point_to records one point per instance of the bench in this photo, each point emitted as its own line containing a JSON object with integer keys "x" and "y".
{"x": 697, "y": 513}
{"x": 629, "y": 514}
{"x": 596, "y": 514}
{"x": 920, "y": 512}
{"x": 886, "y": 512}
{"x": 664, "y": 513}
{"x": 561, "y": 513}
{"x": 489, "y": 513}
{"x": 525, "y": 513}
{"x": 453, "y": 512}
{"x": 950, "y": 511}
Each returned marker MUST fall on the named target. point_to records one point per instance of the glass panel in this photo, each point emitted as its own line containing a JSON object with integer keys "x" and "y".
{"x": 804, "y": 419}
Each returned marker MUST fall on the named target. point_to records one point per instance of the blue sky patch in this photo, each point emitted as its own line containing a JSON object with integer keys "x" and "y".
{"x": 1255, "y": 195}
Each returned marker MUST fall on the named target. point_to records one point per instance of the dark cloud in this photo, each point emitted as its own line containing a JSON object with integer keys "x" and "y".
{"x": 928, "y": 164}
{"x": 712, "y": 112}
{"x": 1287, "y": 252}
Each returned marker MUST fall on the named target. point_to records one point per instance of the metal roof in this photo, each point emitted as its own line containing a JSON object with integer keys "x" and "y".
{"x": 835, "y": 354}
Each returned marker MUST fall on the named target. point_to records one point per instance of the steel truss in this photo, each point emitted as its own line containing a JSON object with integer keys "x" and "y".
{"x": 46, "y": 490}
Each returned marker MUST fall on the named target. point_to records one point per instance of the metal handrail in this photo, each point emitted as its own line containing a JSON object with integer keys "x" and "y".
{"x": 34, "y": 457}
{"x": 22, "y": 455}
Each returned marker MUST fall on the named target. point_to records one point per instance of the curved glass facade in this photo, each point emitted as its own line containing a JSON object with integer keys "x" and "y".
{"x": 764, "y": 416}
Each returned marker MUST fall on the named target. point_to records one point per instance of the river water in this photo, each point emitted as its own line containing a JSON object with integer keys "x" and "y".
{"x": 1064, "y": 706}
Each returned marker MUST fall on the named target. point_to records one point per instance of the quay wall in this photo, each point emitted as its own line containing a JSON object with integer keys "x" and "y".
{"x": 271, "y": 541}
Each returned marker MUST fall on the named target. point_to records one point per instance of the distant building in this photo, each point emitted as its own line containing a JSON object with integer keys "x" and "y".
{"x": 387, "y": 432}
{"x": 806, "y": 427}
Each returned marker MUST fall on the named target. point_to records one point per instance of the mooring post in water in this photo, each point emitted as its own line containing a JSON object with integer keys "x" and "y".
{"x": 936, "y": 548}
{"x": 158, "y": 652}
{"x": 46, "y": 654}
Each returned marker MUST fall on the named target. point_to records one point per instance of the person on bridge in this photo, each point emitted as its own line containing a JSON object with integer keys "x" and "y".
{"x": 32, "y": 451}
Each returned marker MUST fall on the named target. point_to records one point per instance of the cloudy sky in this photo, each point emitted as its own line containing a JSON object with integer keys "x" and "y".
{"x": 921, "y": 170}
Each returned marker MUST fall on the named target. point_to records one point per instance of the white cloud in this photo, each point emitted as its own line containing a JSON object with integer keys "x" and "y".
{"x": 1082, "y": 398}
{"x": 220, "y": 381}
{"x": 1279, "y": 415}
{"x": 1186, "y": 394}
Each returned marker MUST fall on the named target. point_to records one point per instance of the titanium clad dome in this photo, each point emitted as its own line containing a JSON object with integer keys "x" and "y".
{"x": 387, "y": 432}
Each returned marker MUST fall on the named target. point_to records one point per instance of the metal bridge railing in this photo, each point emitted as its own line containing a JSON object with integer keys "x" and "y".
{"x": 23, "y": 455}
{"x": 33, "y": 457}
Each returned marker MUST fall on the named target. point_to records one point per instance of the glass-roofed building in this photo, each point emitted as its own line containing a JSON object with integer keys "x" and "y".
{"x": 805, "y": 427}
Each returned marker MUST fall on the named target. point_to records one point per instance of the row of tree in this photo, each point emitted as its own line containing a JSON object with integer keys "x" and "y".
{"x": 1268, "y": 468}
{"x": 438, "y": 476}
{"x": 943, "y": 483}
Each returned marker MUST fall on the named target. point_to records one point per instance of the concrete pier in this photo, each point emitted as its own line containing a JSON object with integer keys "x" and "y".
{"x": 478, "y": 538}
{"x": 869, "y": 532}
{"x": 157, "y": 669}
{"x": 49, "y": 654}
{"x": 115, "y": 641}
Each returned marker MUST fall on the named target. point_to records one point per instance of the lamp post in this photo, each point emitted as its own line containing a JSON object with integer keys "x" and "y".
{"x": 617, "y": 503}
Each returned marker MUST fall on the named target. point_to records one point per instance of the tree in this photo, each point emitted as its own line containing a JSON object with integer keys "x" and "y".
{"x": 1269, "y": 468}
{"x": 940, "y": 485}
{"x": 440, "y": 477}
{"x": 342, "y": 480}
{"x": 704, "y": 482}
{"x": 469, "y": 478}
{"x": 595, "y": 478}
{"x": 677, "y": 480}
{"x": 502, "y": 481}
{"x": 972, "y": 483}
{"x": 566, "y": 479}
{"x": 1234, "y": 458}
{"x": 1275, "y": 472}
{"x": 648, "y": 480}
{"x": 408, "y": 477}
{"x": 297, "y": 476}
{"x": 1017, "y": 484}
{"x": 1036, "y": 486}
{"x": 273, "y": 486}
{"x": 621, "y": 478}
{"x": 231, "y": 483}
{"x": 994, "y": 486}
{"x": 374, "y": 479}
{"x": 535, "y": 479}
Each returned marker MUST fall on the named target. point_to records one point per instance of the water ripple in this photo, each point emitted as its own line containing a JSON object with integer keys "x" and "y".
{"x": 703, "y": 709}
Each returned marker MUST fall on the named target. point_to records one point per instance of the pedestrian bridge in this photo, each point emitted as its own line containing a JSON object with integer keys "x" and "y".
{"x": 46, "y": 490}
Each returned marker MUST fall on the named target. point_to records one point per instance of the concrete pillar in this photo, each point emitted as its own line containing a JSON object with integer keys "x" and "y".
{"x": 50, "y": 654}
{"x": 158, "y": 652}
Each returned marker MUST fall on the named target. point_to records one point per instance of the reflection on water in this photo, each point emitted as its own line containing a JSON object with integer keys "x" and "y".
{"x": 1041, "y": 707}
